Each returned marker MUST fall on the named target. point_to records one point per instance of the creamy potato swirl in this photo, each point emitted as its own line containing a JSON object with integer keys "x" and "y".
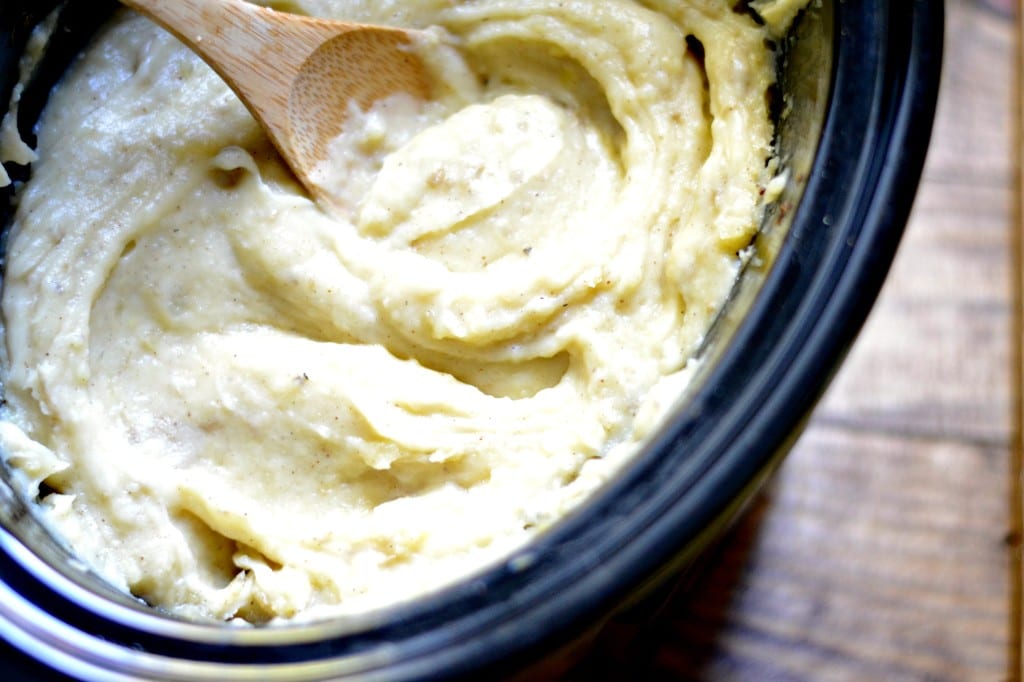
{"x": 235, "y": 403}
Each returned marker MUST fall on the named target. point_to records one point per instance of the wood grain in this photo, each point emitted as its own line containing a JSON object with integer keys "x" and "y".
{"x": 888, "y": 546}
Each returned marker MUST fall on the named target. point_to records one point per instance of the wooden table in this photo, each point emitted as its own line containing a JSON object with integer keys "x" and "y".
{"x": 888, "y": 546}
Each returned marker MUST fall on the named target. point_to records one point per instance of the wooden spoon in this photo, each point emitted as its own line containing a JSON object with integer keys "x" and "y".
{"x": 297, "y": 75}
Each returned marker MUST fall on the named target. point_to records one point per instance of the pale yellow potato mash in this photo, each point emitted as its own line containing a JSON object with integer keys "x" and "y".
{"x": 234, "y": 403}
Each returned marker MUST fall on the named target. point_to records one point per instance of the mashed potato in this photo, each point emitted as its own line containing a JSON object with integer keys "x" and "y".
{"x": 236, "y": 404}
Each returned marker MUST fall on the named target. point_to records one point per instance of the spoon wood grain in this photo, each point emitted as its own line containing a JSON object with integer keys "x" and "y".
{"x": 297, "y": 75}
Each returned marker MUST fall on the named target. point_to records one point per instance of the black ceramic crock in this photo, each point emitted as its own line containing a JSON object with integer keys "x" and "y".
{"x": 862, "y": 80}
